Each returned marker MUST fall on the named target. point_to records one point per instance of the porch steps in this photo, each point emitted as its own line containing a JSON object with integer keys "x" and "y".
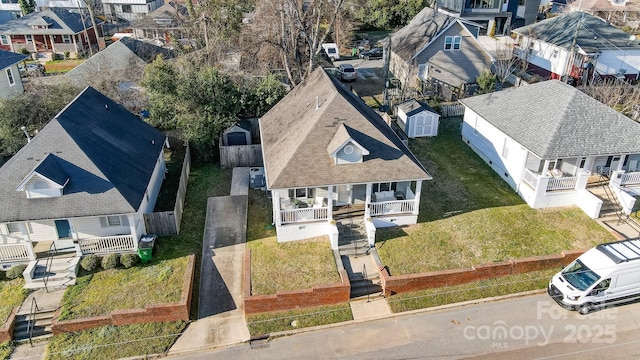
{"x": 610, "y": 207}
{"x": 352, "y": 239}
{"x": 41, "y": 326}
{"x": 62, "y": 272}
{"x": 362, "y": 287}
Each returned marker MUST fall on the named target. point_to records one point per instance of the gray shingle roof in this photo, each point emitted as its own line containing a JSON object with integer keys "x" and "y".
{"x": 62, "y": 22}
{"x": 555, "y": 120}
{"x": 296, "y": 136}
{"x": 593, "y": 33}
{"x": 50, "y": 168}
{"x": 108, "y": 153}
{"x": 8, "y": 58}
{"x": 423, "y": 28}
{"x": 412, "y": 107}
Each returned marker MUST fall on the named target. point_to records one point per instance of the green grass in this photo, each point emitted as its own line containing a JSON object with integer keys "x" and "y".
{"x": 111, "y": 342}
{"x": 259, "y": 215}
{"x": 487, "y": 235}
{"x": 462, "y": 182}
{"x": 291, "y": 265}
{"x": 260, "y": 324}
{"x": 5, "y": 350}
{"x": 100, "y": 293}
{"x": 478, "y": 290}
{"x": 174, "y": 158}
{"x": 12, "y": 295}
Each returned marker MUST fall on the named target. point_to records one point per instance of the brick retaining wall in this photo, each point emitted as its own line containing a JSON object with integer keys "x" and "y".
{"x": 330, "y": 294}
{"x": 6, "y": 331}
{"x": 414, "y": 282}
{"x": 151, "y": 313}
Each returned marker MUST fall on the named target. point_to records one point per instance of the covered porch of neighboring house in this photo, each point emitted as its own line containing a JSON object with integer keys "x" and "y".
{"x": 301, "y": 213}
{"x": 567, "y": 181}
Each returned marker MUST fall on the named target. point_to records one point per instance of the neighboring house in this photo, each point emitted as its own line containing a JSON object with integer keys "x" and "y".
{"x": 49, "y": 33}
{"x": 618, "y": 12}
{"x": 82, "y": 183}
{"x": 580, "y": 46}
{"x": 547, "y": 148}
{"x": 129, "y": 10}
{"x": 10, "y": 80}
{"x": 417, "y": 119}
{"x": 325, "y": 151}
{"x": 9, "y": 10}
{"x": 435, "y": 47}
{"x": 163, "y": 24}
{"x": 498, "y": 16}
{"x": 124, "y": 59}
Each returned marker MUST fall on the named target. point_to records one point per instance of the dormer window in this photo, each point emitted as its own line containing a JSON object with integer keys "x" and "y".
{"x": 40, "y": 184}
{"x": 344, "y": 149}
{"x": 47, "y": 179}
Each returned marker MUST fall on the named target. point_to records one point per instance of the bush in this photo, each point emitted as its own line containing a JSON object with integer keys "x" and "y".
{"x": 16, "y": 271}
{"x": 24, "y": 51}
{"x": 90, "y": 262}
{"x": 3, "y": 275}
{"x": 66, "y": 55}
{"x": 128, "y": 260}
{"x": 110, "y": 261}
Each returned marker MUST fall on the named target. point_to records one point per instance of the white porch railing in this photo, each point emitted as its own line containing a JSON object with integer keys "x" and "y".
{"x": 530, "y": 178}
{"x": 391, "y": 207}
{"x": 563, "y": 183}
{"x": 107, "y": 244}
{"x": 302, "y": 215}
{"x": 632, "y": 178}
{"x": 14, "y": 252}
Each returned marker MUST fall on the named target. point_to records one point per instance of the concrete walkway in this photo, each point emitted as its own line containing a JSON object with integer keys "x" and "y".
{"x": 221, "y": 306}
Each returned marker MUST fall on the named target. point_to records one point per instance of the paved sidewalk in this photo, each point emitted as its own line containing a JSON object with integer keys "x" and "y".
{"x": 221, "y": 318}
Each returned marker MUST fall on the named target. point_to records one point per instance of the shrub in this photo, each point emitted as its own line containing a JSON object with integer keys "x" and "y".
{"x": 90, "y": 262}
{"x": 66, "y": 55}
{"x": 110, "y": 261}
{"x": 23, "y": 50}
{"x": 16, "y": 271}
{"x": 128, "y": 260}
{"x": 3, "y": 275}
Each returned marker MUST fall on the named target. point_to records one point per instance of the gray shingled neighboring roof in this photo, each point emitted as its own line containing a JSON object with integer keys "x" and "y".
{"x": 50, "y": 168}
{"x": 423, "y": 28}
{"x": 555, "y": 120}
{"x": 594, "y": 34}
{"x": 8, "y": 58}
{"x": 62, "y": 22}
{"x": 108, "y": 153}
{"x": 412, "y": 107}
{"x": 296, "y": 135}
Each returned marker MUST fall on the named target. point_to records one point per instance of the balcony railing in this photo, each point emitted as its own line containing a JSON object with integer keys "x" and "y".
{"x": 303, "y": 215}
{"x": 14, "y": 252}
{"x": 563, "y": 183}
{"x": 531, "y": 178}
{"x": 107, "y": 244}
{"x": 391, "y": 207}
{"x": 632, "y": 178}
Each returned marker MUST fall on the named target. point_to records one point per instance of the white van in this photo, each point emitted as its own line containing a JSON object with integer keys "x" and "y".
{"x": 608, "y": 274}
{"x": 331, "y": 49}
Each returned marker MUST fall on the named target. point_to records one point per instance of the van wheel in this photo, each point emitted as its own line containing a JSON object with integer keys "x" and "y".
{"x": 366, "y": 58}
{"x": 584, "y": 309}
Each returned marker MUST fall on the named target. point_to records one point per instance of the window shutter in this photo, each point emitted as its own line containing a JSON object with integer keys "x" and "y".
{"x": 103, "y": 222}
{"x": 124, "y": 220}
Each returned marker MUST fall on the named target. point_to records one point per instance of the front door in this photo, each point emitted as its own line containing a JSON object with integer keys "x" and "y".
{"x": 344, "y": 194}
{"x": 63, "y": 228}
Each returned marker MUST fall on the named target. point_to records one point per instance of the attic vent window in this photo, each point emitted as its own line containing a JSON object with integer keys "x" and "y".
{"x": 40, "y": 184}
{"x": 348, "y": 149}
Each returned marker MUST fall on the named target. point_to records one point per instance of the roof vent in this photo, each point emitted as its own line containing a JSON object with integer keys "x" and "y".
{"x": 317, "y": 102}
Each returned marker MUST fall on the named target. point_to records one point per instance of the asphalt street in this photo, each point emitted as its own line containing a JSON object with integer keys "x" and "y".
{"x": 530, "y": 327}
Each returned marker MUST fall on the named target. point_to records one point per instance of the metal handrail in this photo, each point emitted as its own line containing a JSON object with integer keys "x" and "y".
{"x": 366, "y": 278}
{"x": 622, "y": 217}
{"x": 53, "y": 250}
{"x": 32, "y": 319}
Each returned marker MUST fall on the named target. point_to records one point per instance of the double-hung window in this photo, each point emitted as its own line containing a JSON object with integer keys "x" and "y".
{"x": 452, "y": 42}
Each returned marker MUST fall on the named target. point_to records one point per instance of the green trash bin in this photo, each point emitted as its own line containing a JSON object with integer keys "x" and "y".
{"x": 145, "y": 248}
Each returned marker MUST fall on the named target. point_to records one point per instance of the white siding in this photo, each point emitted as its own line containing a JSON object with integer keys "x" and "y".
{"x": 149, "y": 201}
{"x": 547, "y": 56}
{"x": 610, "y": 61}
{"x": 94, "y": 227}
{"x": 43, "y": 230}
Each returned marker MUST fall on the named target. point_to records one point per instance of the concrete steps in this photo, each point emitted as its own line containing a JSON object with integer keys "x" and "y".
{"x": 62, "y": 272}
{"x": 610, "y": 207}
{"x": 361, "y": 287}
{"x": 41, "y": 321}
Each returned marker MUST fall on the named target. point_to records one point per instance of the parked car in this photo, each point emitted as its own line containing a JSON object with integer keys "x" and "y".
{"x": 346, "y": 72}
{"x": 375, "y": 53}
{"x": 31, "y": 69}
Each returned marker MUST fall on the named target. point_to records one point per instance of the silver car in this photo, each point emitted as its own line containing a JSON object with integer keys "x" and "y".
{"x": 346, "y": 72}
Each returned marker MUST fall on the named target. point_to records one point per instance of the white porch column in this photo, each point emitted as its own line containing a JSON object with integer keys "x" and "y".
{"x": 275, "y": 199}
{"x": 24, "y": 231}
{"x": 545, "y": 169}
{"x": 367, "y": 201}
{"x": 330, "y": 202}
{"x": 53, "y": 46}
{"x": 133, "y": 228}
{"x": 75, "y": 237}
{"x": 416, "y": 207}
{"x": 621, "y": 162}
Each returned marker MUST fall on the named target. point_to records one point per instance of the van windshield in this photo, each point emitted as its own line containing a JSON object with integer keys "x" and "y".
{"x": 580, "y": 276}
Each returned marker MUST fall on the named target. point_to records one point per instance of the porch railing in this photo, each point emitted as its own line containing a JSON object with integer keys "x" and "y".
{"x": 563, "y": 183}
{"x": 107, "y": 244}
{"x": 302, "y": 215}
{"x": 530, "y": 178}
{"x": 14, "y": 252}
{"x": 630, "y": 178}
{"x": 391, "y": 207}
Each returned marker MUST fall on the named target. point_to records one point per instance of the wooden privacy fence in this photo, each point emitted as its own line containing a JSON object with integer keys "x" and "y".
{"x": 452, "y": 110}
{"x": 168, "y": 222}
{"x": 240, "y": 155}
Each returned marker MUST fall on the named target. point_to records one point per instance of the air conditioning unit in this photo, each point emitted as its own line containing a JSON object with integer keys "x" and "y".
{"x": 256, "y": 178}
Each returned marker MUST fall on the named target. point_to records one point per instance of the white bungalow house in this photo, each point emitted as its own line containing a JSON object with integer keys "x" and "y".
{"x": 546, "y": 149}
{"x": 417, "y": 119}
{"x": 326, "y": 152}
{"x": 82, "y": 184}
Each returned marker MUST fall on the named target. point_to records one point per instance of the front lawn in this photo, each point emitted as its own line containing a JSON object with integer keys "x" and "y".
{"x": 5, "y": 349}
{"x": 12, "y": 295}
{"x": 260, "y": 324}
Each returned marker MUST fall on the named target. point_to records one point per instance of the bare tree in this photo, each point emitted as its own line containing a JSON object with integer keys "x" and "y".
{"x": 293, "y": 31}
{"x": 506, "y": 62}
{"x": 616, "y": 94}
